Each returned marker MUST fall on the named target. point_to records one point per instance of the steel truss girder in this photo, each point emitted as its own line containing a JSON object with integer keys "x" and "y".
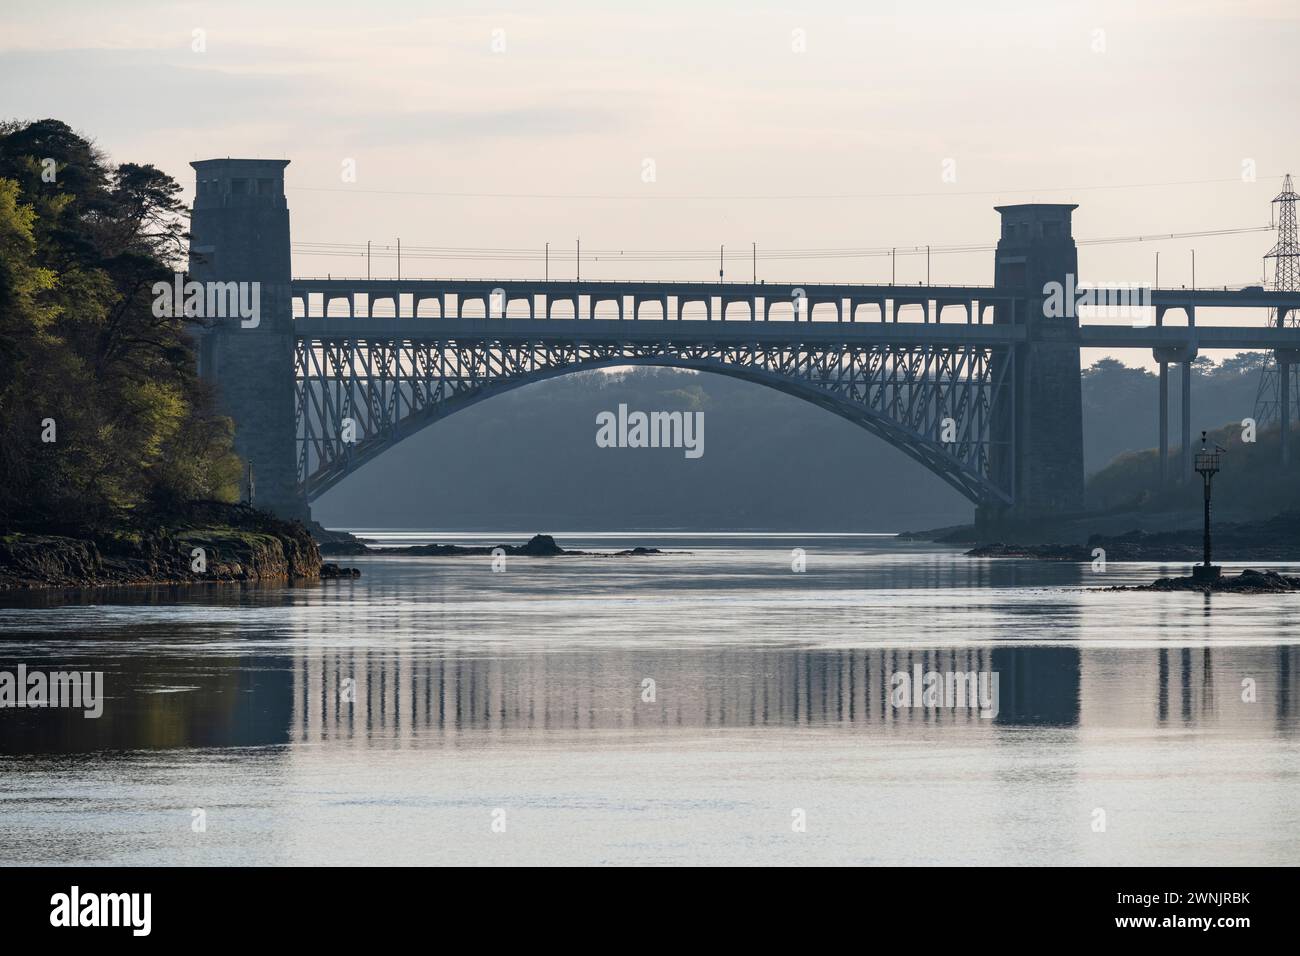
{"x": 933, "y": 402}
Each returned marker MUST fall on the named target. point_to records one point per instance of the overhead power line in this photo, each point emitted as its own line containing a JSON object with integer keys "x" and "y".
{"x": 658, "y": 195}
{"x": 524, "y": 254}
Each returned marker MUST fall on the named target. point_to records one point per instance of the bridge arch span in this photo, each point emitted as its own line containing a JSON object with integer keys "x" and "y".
{"x": 933, "y": 405}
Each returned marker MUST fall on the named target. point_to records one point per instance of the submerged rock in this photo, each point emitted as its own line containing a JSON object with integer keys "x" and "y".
{"x": 1041, "y": 552}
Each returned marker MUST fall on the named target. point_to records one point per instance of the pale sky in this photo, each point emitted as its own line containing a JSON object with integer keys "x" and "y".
{"x": 795, "y": 125}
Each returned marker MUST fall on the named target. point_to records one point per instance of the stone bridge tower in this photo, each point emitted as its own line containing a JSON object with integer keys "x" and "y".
{"x": 1039, "y": 426}
{"x": 240, "y": 233}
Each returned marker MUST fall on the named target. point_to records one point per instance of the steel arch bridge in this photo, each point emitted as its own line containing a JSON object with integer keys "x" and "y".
{"x": 980, "y": 384}
{"x": 932, "y": 401}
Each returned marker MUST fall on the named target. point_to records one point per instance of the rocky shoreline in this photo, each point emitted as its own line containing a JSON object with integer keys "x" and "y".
{"x": 215, "y": 543}
{"x": 538, "y": 546}
{"x": 1276, "y": 539}
{"x": 210, "y": 542}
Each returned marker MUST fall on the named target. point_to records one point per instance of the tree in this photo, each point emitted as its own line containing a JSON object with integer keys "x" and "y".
{"x": 81, "y": 244}
{"x": 1244, "y": 363}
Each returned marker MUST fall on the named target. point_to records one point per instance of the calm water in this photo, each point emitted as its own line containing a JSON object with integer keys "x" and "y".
{"x": 519, "y": 697}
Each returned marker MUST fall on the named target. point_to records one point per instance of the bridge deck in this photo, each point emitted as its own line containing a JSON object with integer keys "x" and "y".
{"x": 1249, "y": 297}
{"x": 647, "y": 289}
{"x": 756, "y": 326}
{"x": 614, "y": 331}
{"x": 611, "y": 331}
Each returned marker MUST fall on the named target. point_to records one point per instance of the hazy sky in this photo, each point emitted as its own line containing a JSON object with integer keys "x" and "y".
{"x": 743, "y": 108}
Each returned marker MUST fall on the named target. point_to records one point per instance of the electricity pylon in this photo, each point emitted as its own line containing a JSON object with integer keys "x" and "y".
{"x": 1286, "y": 278}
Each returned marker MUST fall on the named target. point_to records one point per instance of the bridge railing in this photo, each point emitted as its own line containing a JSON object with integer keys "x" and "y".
{"x": 470, "y": 280}
{"x": 608, "y": 300}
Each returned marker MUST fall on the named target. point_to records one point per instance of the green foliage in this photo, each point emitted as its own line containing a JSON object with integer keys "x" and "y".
{"x": 79, "y": 343}
{"x": 1121, "y": 404}
{"x": 1251, "y": 481}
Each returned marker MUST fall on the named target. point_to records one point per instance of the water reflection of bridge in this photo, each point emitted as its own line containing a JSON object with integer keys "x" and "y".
{"x": 408, "y": 695}
{"x": 403, "y": 697}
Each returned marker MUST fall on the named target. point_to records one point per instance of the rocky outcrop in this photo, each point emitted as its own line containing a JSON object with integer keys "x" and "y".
{"x": 329, "y": 571}
{"x": 210, "y": 542}
{"x": 336, "y": 542}
{"x": 343, "y": 548}
{"x": 538, "y": 546}
{"x": 1249, "y": 581}
{"x": 33, "y": 560}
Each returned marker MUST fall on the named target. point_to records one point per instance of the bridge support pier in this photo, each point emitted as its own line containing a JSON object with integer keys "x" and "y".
{"x": 1164, "y": 424}
{"x": 1037, "y": 425}
{"x": 1183, "y": 358}
{"x": 1285, "y": 359}
{"x": 1284, "y": 409}
{"x": 239, "y": 235}
{"x": 1185, "y": 419}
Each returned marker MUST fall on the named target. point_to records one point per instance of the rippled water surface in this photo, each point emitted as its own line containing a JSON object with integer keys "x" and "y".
{"x": 522, "y": 698}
